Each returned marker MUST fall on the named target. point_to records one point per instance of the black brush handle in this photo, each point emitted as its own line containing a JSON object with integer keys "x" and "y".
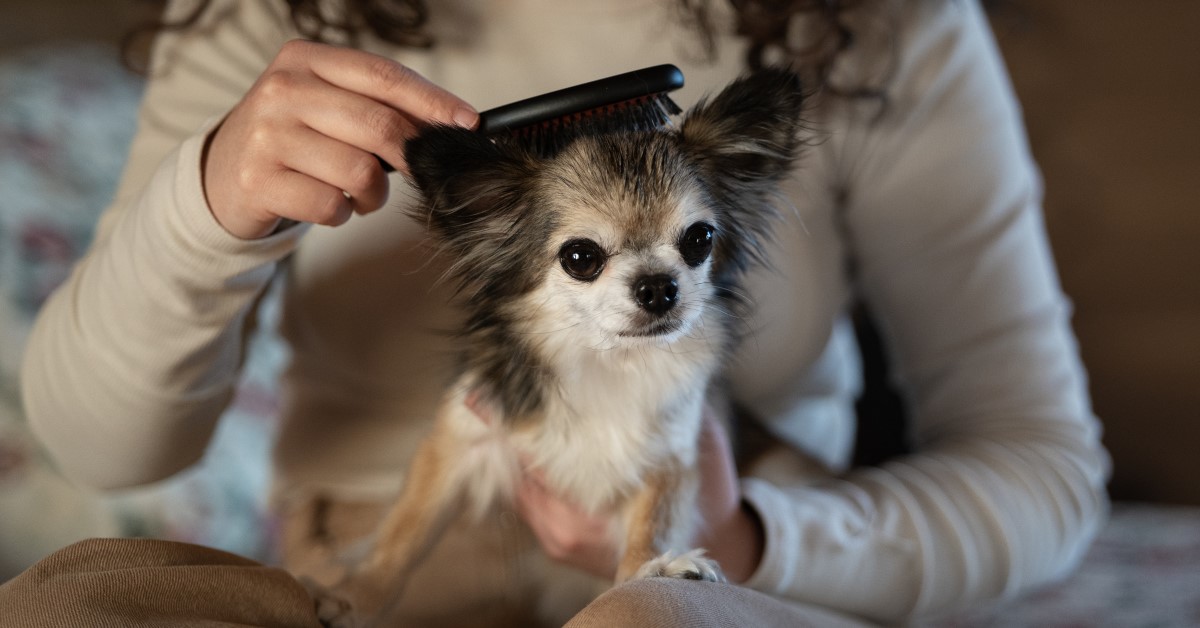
{"x": 607, "y": 91}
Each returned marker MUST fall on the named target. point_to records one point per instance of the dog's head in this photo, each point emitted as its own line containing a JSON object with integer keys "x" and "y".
{"x": 619, "y": 238}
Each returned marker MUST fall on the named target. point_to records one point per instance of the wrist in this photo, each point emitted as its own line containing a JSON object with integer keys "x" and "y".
{"x": 738, "y": 544}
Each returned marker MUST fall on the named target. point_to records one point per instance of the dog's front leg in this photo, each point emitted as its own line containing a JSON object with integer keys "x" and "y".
{"x": 410, "y": 529}
{"x": 659, "y": 522}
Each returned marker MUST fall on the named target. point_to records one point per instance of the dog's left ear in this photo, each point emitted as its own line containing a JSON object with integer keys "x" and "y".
{"x": 750, "y": 131}
{"x": 744, "y": 142}
{"x": 468, "y": 183}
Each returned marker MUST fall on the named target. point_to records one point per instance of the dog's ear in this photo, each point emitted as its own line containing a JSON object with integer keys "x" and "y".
{"x": 744, "y": 142}
{"x": 476, "y": 196}
{"x": 469, "y": 184}
{"x": 750, "y": 131}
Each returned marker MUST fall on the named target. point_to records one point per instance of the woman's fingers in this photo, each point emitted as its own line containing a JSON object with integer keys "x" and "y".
{"x": 340, "y": 166}
{"x": 388, "y": 82}
{"x": 302, "y": 143}
{"x": 306, "y": 199}
{"x": 393, "y": 98}
{"x": 356, "y": 120}
{"x": 566, "y": 532}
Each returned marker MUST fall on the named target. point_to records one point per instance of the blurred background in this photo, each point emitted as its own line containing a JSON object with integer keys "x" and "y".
{"x": 1111, "y": 94}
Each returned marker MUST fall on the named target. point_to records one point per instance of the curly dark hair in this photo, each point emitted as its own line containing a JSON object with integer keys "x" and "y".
{"x": 767, "y": 25}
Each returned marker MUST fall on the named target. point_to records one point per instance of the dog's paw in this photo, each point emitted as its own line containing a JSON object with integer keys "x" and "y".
{"x": 688, "y": 566}
{"x": 332, "y": 610}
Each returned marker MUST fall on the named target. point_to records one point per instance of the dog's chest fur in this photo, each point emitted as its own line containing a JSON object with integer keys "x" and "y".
{"x": 608, "y": 419}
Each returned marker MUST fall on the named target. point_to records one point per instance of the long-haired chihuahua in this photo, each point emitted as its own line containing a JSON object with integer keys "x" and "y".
{"x": 601, "y": 289}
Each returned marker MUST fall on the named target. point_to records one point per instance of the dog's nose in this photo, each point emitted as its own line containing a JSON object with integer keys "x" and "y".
{"x": 656, "y": 293}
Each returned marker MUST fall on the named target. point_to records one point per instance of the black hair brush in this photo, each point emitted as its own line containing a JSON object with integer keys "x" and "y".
{"x": 632, "y": 101}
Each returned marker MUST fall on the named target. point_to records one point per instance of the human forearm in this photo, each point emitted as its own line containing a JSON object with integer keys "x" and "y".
{"x": 133, "y": 359}
{"x": 958, "y": 525}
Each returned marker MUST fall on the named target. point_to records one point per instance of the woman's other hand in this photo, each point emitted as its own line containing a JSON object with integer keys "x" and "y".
{"x": 728, "y": 529}
{"x": 302, "y": 143}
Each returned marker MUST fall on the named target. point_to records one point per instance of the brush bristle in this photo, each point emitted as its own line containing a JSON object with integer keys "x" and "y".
{"x": 548, "y": 138}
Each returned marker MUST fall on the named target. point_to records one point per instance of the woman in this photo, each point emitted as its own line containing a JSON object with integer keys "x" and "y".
{"x": 917, "y": 196}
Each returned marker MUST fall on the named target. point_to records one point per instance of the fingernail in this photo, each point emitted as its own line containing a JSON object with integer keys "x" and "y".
{"x": 466, "y": 118}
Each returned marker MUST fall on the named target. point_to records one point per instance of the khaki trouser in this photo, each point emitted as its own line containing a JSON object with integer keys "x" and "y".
{"x": 141, "y": 582}
{"x": 486, "y": 573}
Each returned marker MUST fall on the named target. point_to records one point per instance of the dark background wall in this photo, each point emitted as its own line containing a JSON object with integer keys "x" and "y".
{"x": 1111, "y": 92}
{"x": 27, "y": 22}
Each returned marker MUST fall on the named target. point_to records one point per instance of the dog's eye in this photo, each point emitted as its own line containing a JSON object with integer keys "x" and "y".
{"x": 696, "y": 243}
{"x": 582, "y": 259}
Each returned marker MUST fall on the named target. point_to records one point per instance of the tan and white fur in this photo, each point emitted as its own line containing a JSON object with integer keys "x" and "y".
{"x": 600, "y": 282}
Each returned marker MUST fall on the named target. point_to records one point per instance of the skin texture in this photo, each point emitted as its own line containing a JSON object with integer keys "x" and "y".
{"x": 301, "y": 144}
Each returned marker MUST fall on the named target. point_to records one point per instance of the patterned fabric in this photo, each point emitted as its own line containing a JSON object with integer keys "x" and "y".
{"x": 66, "y": 118}
{"x": 1143, "y": 571}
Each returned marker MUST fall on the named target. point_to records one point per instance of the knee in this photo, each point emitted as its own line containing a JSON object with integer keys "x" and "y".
{"x": 652, "y": 602}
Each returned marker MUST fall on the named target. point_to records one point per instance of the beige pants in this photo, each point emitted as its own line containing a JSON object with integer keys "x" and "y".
{"x": 485, "y": 574}
{"x": 489, "y": 573}
{"x": 141, "y": 582}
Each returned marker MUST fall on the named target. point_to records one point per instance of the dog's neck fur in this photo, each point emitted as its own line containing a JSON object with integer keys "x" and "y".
{"x": 618, "y": 412}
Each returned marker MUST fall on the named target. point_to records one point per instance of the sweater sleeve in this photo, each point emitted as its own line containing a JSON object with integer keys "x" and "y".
{"x": 1005, "y": 488}
{"x": 133, "y": 359}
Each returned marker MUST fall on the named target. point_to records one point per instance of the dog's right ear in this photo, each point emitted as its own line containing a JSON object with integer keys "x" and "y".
{"x": 744, "y": 142}
{"x": 749, "y": 132}
{"x": 468, "y": 183}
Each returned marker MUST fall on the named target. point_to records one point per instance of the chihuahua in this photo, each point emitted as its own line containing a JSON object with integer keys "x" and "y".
{"x": 600, "y": 283}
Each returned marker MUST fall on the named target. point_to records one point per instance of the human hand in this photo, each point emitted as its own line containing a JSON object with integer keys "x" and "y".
{"x": 567, "y": 533}
{"x": 301, "y": 144}
{"x": 729, "y": 530}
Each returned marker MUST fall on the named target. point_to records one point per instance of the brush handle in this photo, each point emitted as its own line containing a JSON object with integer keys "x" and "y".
{"x": 564, "y": 102}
